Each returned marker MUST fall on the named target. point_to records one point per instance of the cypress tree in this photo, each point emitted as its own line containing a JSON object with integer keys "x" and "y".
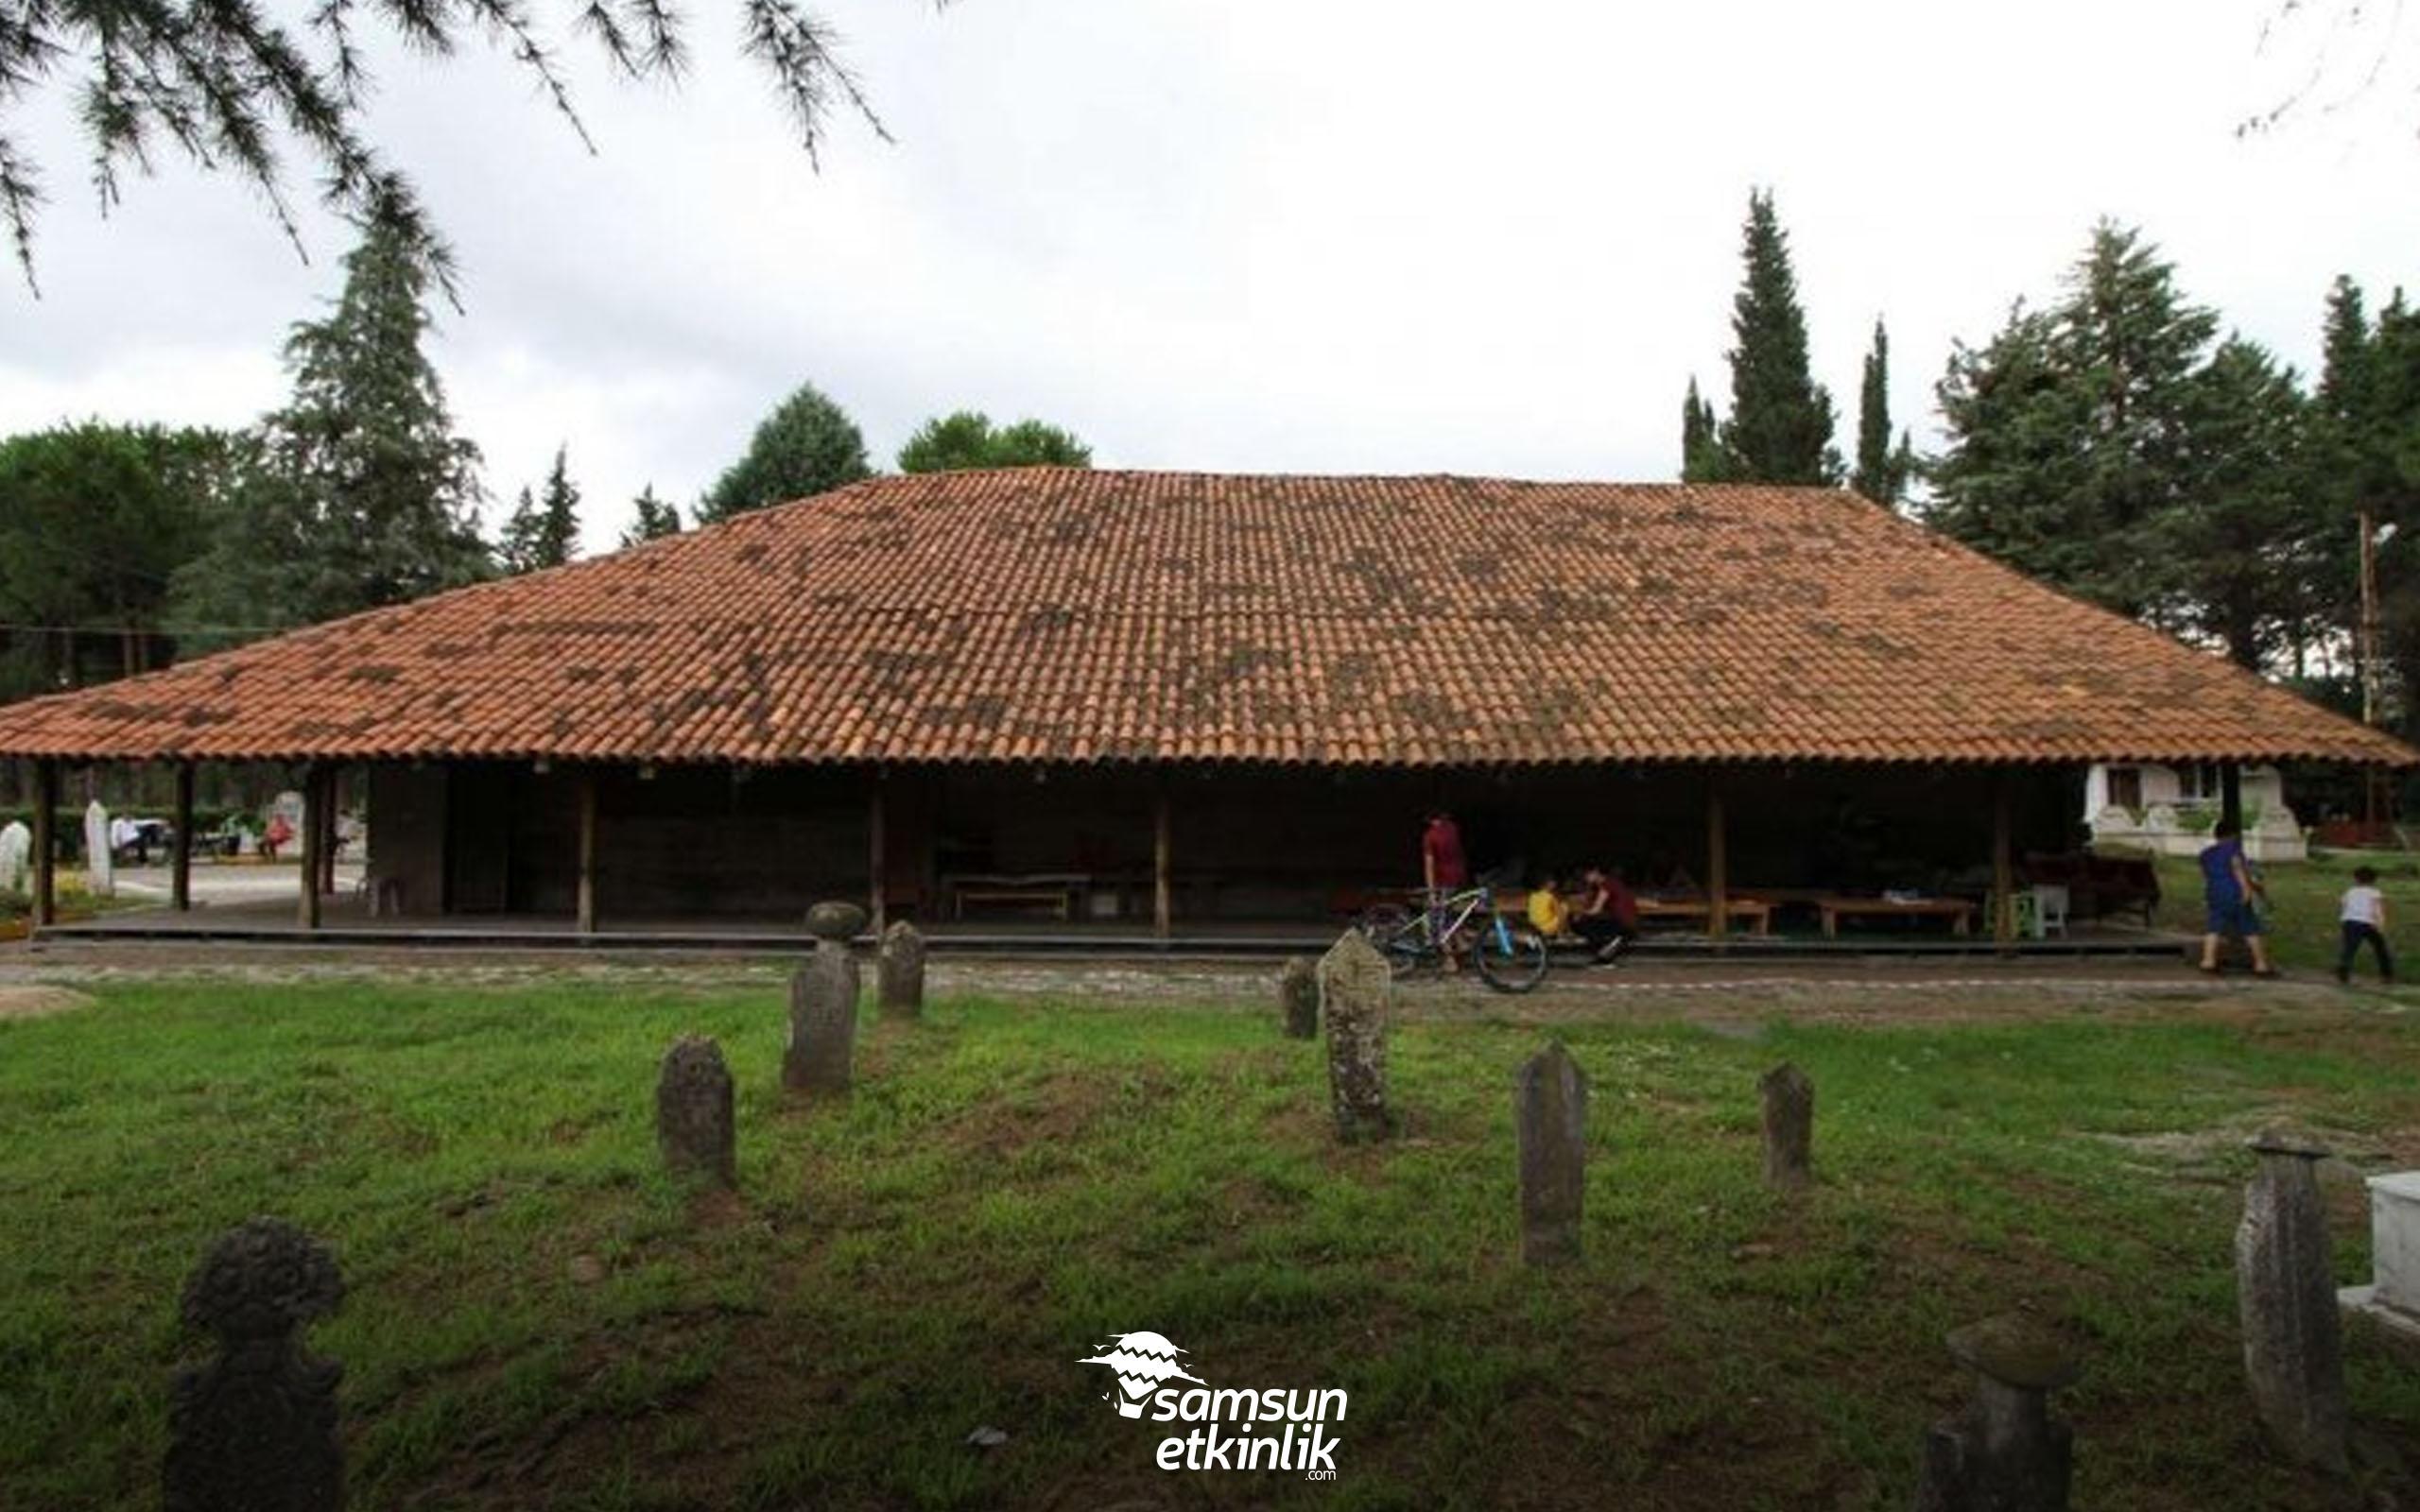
{"x": 654, "y": 519}
{"x": 1701, "y": 460}
{"x": 543, "y": 532}
{"x": 1882, "y": 469}
{"x": 1780, "y": 426}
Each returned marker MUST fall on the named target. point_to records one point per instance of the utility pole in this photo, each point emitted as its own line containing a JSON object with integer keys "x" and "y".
{"x": 2374, "y": 779}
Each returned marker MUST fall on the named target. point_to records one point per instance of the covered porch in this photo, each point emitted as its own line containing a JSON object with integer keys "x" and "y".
{"x": 1764, "y": 857}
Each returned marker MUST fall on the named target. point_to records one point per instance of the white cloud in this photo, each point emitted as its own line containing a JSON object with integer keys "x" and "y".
{"x": 1241, "y": 233}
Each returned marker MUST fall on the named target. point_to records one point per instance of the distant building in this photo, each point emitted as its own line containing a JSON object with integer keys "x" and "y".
{"x": 2170, "y": 809}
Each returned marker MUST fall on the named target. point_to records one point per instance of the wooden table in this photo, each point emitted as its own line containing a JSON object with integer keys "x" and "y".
{"x": 1960, "y": 913}
{"x": 1758, "y": 913}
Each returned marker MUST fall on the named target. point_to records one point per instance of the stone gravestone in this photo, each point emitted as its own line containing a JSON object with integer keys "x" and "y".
{"x": 899, "y": 972}
{"x": 1354, "y": 992}
{"x": 1298, "y": 994}
{"x": 1550, "y": 1139}
{"x": 693, "y": 1111}
{"x": 823, "y": 1004}
{"x": 2293, "y": 1353}
{"x": 2393, "y": 1299}
{"x": 254, "y": 1430}
{"x": 1788, "y": 1098}
{"x": 17, "y": 856}
{"x": 100, "y": 867}
{"x": 2005, "y": 1453}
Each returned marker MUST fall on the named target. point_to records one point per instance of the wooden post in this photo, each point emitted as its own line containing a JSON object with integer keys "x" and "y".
{"x": 2231, "y": 795}
{"x": 876, "y": 875}
{"x": 587, "y": 851}
{"x": 313, "y": 806}
{"x": 181, "y": 859}
{"x": 1718, "y": 863}
{"x": 45, "y": 844}
{"x": 2003, "y": 862}
{"x": 1162, "y": 907}
{"x": 329, "y": 786}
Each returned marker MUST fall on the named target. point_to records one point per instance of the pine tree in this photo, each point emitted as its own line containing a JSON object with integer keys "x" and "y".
{"x": 543, "y": 532}
{"x": 2068, "y": 432}
{"x": 1702, "y": 458}
{"x": 807, "y": 446}
{"x": 362, "y": 495}
{"x": 654, "y": 519}
{"x": 1780, "y": 426}
{"x": 1882, "y": 469}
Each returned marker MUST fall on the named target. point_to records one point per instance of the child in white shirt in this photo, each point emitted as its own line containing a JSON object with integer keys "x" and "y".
{"x": 2363, "y": 916}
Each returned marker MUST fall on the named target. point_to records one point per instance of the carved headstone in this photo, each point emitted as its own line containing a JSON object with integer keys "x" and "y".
{"x": 1353, "y": 993}
{"x": 694, "y": 1126}
{"x": 2293, "y": 1352}
{"x": 1788, "y": 1100}
{"x": 2005, "y": 1453}
{"x": 1550, "y": 1137}
{"x": 823, "y": 1021}
{"x": 100, "y": 866}
{"x": 1298, "y": 994}
{"x": 254, "y": 1430}
{"x": 899, "y": 972}
{"x": 16, "y": 854}
{"x": 835, "y": 920}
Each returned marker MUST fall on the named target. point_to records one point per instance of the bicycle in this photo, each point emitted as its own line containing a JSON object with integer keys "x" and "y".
{"x": 1511, "y": 957}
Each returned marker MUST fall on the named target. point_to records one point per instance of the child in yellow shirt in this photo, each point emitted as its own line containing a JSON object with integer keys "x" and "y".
{"x": 1549, "y": 915}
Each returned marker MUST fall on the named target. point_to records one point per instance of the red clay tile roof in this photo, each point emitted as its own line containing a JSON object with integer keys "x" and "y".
{"x": 1049, "y": 615}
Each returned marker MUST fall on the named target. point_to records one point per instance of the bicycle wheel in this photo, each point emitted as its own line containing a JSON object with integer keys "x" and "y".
{"x": 1510, "y": 959}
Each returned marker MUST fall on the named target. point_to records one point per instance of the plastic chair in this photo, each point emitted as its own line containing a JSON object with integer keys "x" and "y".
{"x": 2050, "y": 909}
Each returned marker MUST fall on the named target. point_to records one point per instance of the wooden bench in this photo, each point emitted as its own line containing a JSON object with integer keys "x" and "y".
{"x": 1755, "y": 912}
{"x": 1960, "y": 913}
{"x": 1055, "y": 893}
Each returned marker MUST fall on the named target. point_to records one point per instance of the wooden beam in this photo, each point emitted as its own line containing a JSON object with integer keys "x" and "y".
{"x": 313, "y": 806}
{"x": 1163, "y": 905}
{"x": 2231, "y": 795}
{"x": 587, "y": 904}
{"x": 2003, "y": 860}
{"x": 877, "y": 873}
{"x": 45, "y": 844}
{"x": 180, "y": 858}
{"x": 1718, "y": 862}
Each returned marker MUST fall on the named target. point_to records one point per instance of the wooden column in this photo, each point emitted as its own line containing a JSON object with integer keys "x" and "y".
{"x": 1162, "y": 907}
{"x": 181, "y": 859}
{"x": 329, "y": 786}
{"x": 45, "y": 844}
{"x": 315, "y": 805}
{"x": 2003, "y": 860}
{"x": 1718, "y": 863}
{"x": 2231, "y": 795}
{"x": 587, "y": 904}
{"x": 878, "y": 874}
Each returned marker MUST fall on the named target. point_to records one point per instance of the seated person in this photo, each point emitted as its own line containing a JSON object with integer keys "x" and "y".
{"x": 1607, "y": 914}
{"x": 1549, "y": 915}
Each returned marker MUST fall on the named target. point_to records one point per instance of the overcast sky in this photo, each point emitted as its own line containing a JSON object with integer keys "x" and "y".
{"x": 1303, "y": 236}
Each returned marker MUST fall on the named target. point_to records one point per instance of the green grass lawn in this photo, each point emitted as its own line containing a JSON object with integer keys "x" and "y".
{"x": 1011, "y": 1184}
{"x": 2303, "y": 898}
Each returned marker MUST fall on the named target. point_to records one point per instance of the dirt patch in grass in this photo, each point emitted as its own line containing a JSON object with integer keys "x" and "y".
{"x": 40, "y": 1002}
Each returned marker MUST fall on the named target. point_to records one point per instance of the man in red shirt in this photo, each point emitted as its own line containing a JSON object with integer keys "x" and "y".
{"x": 1442, "y": 870}
{"x": 1607, "y": 914}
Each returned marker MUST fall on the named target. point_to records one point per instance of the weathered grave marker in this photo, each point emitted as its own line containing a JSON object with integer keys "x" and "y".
{"x": 823, "y": 1021}
{"x": 2393, "y": 1299}
{"x": 1788, "y": 1098}
{"x": 694, "y": 1127}
{"x": 2005, "y": 1453}
{"x": 1298, "y": 997}
{"x": 254, "y": 1430}
{"x": 835, "y": 920}
{"x": 1550, "y": 1138}
{"x": 1353, "y": 993}
{"x": 2293, "y": 1352}
{"x": 899, "y": 972}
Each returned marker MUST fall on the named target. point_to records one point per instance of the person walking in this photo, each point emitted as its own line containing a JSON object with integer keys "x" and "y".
{"x": 2362, "y": 916}
{"x": 2229, "y": 895}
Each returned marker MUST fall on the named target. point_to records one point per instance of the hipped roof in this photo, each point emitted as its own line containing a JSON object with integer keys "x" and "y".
{"x": 1050, "y": 615}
